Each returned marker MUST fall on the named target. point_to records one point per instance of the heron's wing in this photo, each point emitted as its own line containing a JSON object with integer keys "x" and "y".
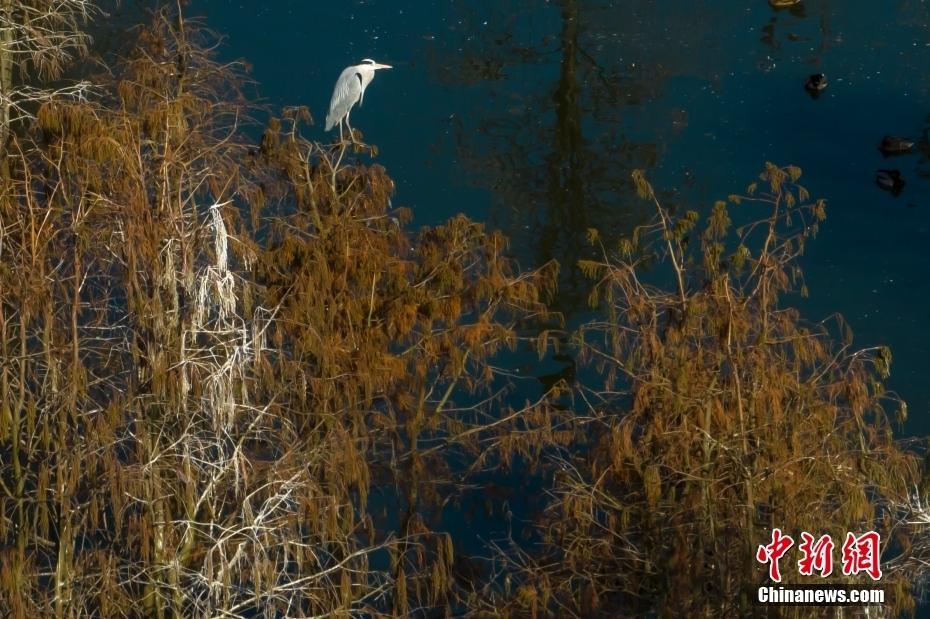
{"x": 347, "y": 91}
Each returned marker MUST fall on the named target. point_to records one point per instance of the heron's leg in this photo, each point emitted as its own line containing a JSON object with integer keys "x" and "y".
{"x": 341, "y": 139}
{"x": 351, "y": 135}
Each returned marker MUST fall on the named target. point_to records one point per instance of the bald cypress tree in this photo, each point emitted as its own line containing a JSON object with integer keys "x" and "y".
{"x": 723, "y": 414}
{"x": 212, "y": 350}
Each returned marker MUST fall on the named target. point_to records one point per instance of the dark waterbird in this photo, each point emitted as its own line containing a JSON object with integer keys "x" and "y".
{"x": 815, "y": 83}
{"x": 567, "y": 373}
{"x": 892, "y": 145}
{"x": 890, "y": 180}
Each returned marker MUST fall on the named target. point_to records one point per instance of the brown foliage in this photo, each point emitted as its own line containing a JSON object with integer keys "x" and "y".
{"x": 211, "y": 352}
{"x": 723, "y": 415}
{"x": 38, "y": 40}
{"x": 233, "y": 382}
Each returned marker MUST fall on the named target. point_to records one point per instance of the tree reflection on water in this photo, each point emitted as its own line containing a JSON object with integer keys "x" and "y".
{"x": 571, "y": 110}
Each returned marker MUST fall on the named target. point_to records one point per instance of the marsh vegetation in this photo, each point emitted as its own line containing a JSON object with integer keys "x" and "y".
{"x": 235, "y": 382}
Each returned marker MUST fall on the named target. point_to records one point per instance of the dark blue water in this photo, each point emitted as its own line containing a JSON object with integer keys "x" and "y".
{"x": 531, "y": 115}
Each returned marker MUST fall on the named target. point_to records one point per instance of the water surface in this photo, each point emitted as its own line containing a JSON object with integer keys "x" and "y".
{"x": 531, "y": 115}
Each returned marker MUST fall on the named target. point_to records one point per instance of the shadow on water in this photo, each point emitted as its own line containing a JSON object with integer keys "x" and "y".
{"x": 553, "y": 148}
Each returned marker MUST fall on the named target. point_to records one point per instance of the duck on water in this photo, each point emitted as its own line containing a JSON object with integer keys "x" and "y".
{"x": 890, "y": 180}
{"x": 893, "y": 145}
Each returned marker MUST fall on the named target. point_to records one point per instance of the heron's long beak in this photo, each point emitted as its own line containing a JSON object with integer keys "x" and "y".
{"x": 382, "y": 66}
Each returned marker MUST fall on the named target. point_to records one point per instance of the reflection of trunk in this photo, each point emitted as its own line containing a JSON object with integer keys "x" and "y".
{"x": 568, "y": 138}
{"x": 6, "y": 71}
{"x": 566, "y": 164}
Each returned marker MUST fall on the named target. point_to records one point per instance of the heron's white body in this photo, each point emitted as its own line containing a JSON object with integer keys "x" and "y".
{"x": 350, "y": 89}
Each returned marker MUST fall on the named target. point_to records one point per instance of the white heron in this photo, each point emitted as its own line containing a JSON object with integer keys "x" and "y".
{"x": 350, "y": 89}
